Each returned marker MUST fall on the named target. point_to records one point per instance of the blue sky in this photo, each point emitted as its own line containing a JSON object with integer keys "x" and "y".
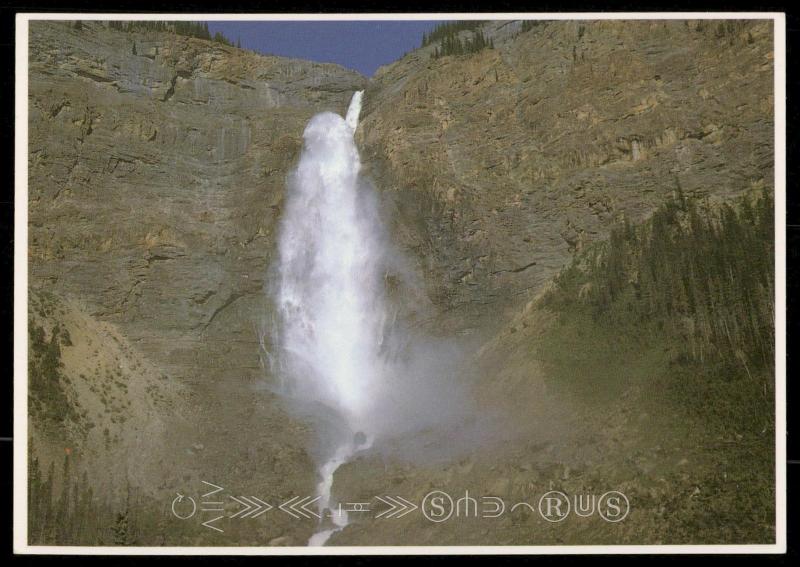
{"x": 363, "y": 46}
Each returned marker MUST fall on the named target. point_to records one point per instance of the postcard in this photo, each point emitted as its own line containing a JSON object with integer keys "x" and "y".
{"x": 393, "y": 284}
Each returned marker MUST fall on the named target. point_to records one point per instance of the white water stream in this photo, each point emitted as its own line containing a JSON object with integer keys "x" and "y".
{"x": 330, "y": 293}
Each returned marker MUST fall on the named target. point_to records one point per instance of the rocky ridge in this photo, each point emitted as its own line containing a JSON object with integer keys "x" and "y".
{"x": 504, "y": 163}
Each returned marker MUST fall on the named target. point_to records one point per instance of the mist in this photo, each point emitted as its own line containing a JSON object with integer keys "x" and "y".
{"x": 346, "y": 358}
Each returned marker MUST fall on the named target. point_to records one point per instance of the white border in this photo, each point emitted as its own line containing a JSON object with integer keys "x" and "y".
{"x": 21, "y": 288}
{"x": 21, "y": 300}
{"x": 414, "y": 16}
{"x": 779, "y": 96}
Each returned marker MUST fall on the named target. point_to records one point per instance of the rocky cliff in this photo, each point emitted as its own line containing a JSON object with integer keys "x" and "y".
{"x": 156, "y": 175}
{"x": 157, "y": 168}
{"x": 505, "y": 162}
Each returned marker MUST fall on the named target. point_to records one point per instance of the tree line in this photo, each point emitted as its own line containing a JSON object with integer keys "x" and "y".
{"x": 198, "y": 30}
{"x": 701, "y": 273}
{"x": 528, "y": 25}
{"x": 447, "y": 34}
{"x": 48, "y": 398}
{"x": 65, "y": 509}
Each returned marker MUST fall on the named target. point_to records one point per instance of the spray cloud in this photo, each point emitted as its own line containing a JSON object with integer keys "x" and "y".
{"x": 344, "y": 360}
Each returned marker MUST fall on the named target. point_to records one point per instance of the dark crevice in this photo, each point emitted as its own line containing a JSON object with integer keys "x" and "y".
{"x": 515, "y": 270}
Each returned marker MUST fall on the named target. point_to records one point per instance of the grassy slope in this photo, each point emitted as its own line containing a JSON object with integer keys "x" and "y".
{"x": 604, "y": 390}
{"x": 716, "y": 410}
{"x": 97, "y": 412}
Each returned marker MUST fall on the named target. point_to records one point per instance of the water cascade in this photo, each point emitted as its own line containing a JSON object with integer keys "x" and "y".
{"x": 329, "y": 295}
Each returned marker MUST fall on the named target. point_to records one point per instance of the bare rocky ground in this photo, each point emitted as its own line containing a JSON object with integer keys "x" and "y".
{"x": 157, "y": 167}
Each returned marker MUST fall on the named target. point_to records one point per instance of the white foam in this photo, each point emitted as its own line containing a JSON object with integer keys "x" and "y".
{"x": 330, "y": 291}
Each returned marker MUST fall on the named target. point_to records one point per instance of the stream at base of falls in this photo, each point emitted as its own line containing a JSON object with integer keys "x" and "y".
{"x": 337, "y": 514}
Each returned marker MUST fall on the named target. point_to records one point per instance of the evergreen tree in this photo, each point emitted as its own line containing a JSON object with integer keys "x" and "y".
{"x": 528, "y": 25}
{"x": 197, "y": 30}
{"x": 448, "y": 34}
{"x": 701, "y": 273}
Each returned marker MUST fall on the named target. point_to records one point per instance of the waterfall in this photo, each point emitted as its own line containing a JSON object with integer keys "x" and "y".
{"x": 329, "y": 293}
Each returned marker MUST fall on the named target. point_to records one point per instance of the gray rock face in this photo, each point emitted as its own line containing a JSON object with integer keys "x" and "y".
{"x": 505, "y": 162}
{"x": 156, "y": 177}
